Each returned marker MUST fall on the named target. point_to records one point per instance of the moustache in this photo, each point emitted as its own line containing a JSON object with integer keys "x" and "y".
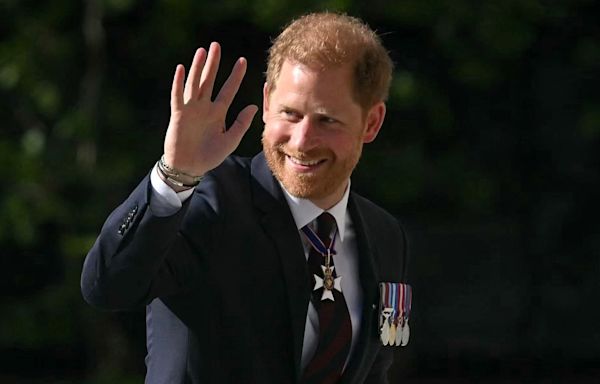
{"x": 301, "y": 155}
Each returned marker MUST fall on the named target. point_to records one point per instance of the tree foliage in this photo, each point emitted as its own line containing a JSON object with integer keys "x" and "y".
{"x": 489, "y": 154}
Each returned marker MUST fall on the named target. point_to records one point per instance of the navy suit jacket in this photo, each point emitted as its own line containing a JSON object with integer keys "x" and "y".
{"x": 226, "y": 282}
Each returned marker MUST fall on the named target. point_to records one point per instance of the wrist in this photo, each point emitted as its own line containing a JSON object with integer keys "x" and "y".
{"x": 176, "y": 179}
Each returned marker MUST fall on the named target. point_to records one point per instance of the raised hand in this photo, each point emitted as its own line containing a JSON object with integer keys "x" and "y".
{"x": 197, "y": 139}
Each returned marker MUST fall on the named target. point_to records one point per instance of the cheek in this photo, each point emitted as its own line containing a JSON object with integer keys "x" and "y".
{"x": 343, "y": 144}
{"x": 275, "y": 132}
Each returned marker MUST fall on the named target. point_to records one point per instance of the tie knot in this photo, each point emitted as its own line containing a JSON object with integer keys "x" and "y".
{"x": 325, "y": 224}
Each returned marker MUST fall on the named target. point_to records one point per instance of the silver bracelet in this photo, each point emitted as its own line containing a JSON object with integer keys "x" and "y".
{"x": 176, "y": 176}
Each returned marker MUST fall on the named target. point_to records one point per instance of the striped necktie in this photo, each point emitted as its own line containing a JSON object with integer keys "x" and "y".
{"x": 335, "y": 328}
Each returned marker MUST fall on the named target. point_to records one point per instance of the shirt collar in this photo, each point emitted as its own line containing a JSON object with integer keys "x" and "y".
{"x": 304, "y": 211}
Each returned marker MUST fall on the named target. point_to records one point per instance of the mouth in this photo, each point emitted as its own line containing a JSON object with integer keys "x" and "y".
{"x": 304, "y": 165}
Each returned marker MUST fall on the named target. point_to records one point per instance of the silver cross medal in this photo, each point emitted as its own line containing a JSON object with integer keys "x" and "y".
{"x": 328, "y": 282}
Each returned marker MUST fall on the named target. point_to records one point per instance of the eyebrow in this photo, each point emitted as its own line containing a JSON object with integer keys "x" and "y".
{"x": 318, "y": 111}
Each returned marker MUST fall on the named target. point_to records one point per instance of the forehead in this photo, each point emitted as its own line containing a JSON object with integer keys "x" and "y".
{"x": 313, "y": 84}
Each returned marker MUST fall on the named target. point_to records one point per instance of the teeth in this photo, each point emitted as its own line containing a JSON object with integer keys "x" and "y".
{"x": 303, "y": 162}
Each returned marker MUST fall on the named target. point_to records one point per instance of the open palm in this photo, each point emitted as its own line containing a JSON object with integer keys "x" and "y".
{"x": 197, "y": 139}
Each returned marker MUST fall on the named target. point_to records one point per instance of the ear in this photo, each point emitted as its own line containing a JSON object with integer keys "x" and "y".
{"x": 373, "y": 122}
{"x": 265, "y": 102}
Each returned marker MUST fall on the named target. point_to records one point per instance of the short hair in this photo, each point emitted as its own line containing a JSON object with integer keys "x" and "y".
{"x": 328, "y": 40}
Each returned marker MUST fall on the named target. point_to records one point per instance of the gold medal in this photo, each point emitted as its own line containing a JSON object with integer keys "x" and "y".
{"x": 328, "y": 280}
{"x": 393, "y": 333}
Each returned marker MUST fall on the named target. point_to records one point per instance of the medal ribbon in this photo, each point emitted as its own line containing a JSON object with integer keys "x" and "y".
{"x": 393, "y": 301}
{"x": 316, "y": 242}
{"x": 389, "y": 294}
{"x": 407, "y": 300}
{"x": 397, "y": 296}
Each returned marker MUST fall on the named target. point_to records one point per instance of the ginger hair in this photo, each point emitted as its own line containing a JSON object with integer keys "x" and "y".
{"x": 330, "y": 40}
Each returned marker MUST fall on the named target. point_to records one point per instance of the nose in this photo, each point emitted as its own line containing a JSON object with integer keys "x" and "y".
{"x": 305, "y": 135}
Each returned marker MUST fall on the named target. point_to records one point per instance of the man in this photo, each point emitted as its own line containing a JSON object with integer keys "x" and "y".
{"x": 246, "y": 279}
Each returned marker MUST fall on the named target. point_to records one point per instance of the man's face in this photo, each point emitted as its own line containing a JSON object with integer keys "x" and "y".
{"x": 314, "y": 131}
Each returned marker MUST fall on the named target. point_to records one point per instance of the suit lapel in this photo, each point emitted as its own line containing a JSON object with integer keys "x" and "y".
{"x": 365, "y": 349}
{"x": 278, "y": 223}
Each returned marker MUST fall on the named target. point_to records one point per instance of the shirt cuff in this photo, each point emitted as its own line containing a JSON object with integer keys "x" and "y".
{"x": 164, "y": 201}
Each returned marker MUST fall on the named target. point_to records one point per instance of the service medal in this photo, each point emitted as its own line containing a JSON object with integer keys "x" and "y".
{"x": 385, "y": 327}
{"x": 405, "y": 334}
{"x": 395, "y": 306}
{"x": 328, "y": 283}
{"x": 393, "y": 333}
{"x": 399, "y": 332}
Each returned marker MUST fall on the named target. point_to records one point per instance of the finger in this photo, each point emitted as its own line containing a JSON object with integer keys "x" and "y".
{"x": 242, "y": 123}
{"x": 232, "y": 84}
{"x": 191, "y": 84}
{"x": 177, "y": 88}
{"x": 211, "y": 68}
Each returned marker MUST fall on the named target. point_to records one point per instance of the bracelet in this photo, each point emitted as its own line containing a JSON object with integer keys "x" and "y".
{"x": 171, "y": 181}
{"x": 175, "y": 176}
{"x": 176, "y": 172}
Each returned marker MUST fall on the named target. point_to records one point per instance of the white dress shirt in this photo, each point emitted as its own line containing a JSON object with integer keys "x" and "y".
{"x": 165, "y": 202}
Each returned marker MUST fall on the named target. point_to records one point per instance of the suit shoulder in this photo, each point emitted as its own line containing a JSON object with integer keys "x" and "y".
{"x": 375, "y": 213}
{"x": 231, "y": 166}
{"x": 387, "y": 236}
{"x": 229, "y": 174}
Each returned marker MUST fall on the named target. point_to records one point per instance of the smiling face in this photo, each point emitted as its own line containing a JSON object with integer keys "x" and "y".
{"x": 315, "y": 130}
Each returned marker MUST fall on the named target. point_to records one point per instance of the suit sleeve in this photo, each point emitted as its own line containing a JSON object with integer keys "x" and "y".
{"x": 139, "y": 256}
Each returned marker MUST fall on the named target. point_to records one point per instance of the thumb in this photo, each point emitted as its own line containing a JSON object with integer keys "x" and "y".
{"x": 242, "y": 123}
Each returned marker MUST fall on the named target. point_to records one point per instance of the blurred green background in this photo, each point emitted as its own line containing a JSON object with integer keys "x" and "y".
{"x": 489, "y": 155}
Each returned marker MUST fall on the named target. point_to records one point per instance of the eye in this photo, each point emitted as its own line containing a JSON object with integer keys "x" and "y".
{"x": 327, "y": 120}
{"x": 291, "y": 115}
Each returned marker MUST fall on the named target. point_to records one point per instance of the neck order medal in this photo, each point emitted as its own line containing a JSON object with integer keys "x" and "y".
{"x": 328, "y": 282}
